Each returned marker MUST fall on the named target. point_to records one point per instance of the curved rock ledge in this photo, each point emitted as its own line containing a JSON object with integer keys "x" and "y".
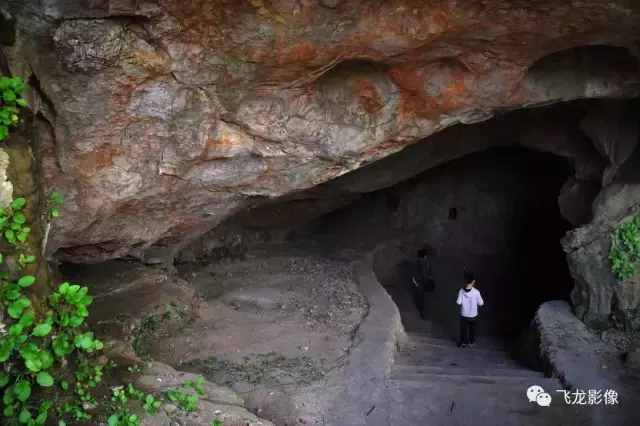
{"x": 371, "y": 357}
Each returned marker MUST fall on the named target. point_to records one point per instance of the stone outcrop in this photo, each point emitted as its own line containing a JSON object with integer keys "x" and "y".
{"x": 598, "y": 297}
{"x": 581, "y": 360}
{"x": 158, "y": 119}
{"x": 217, "y": 403}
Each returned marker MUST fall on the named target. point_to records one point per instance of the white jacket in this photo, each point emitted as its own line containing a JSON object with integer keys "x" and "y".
{"x": 469, "y": 302}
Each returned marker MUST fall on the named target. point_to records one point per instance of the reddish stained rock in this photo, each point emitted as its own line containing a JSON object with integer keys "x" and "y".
{"x": 440, "y": 87}
{"x": 302, "y": 53}
{"x": 88, "y": 164}
{"x": 369, "y": 96}
{"x": 136, "y": 103}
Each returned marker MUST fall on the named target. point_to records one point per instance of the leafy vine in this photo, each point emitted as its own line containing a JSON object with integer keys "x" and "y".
{"x": 49, "y": 368}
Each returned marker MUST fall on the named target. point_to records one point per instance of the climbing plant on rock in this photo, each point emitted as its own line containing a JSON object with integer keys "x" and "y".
{"x": 45, "y": 346}
{"x": 11, "y": 101}
{"x": 625, "y": 249}
{"x": 50, "y": 370}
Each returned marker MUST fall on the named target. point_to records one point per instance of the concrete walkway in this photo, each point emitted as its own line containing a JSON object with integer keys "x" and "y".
{"x": 421, "y": 378}
{"x": 433, "y": 382}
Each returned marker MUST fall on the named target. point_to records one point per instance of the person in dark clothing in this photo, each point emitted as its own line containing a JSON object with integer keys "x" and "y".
{"x": 422, "y": 281}
{"x": 469, "y": 298}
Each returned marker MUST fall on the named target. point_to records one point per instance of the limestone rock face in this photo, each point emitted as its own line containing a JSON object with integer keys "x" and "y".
{"x": 160, "y": 118}
{"x": 600, "y": 300}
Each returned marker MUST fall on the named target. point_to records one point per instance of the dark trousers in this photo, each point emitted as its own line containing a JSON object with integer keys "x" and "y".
{"x": 467, "y": 330}
{"x": 419, "y": 293}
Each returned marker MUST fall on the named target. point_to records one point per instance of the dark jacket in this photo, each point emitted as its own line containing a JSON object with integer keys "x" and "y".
{"x": 423, "y": 274}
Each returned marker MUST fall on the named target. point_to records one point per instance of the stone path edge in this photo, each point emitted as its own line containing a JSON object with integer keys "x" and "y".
{"x": 372, "y": 354}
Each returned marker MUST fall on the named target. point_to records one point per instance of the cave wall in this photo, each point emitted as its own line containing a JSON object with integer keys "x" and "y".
{"x": 477, "y": 213}
{"x": 554, "y": 129}
{"x": 159, "y": 119}
{"x": 599, "y": 299}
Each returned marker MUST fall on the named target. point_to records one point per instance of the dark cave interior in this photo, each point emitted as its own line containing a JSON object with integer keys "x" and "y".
{"x": 493, "y": 212}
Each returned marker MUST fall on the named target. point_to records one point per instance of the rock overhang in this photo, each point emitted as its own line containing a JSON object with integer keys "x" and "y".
{"x": 166, "y": 118}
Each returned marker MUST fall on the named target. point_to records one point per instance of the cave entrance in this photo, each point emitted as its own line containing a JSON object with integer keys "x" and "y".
{"x": 493, "y": 212}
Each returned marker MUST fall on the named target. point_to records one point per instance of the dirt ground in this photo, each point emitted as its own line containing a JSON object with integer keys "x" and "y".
{"x": 274, "y": 325}
{"x": 267, "y": 319}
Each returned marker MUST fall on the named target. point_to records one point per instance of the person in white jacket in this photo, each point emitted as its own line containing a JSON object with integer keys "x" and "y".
{"x": 469, "y": 298}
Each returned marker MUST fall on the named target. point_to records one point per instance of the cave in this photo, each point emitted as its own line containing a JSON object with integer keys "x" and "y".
{"x": 282, "y": 286}
{"x": 220, "y": 206}
{"x": 495, "y": 197}
{"x": 493, "y": 212}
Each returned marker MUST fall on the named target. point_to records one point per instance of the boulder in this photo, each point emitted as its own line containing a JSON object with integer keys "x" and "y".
{"x": 217, "y": 403}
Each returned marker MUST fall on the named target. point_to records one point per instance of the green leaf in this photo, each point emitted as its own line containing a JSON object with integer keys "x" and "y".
{"x": 16, "y": 84}
{"x": 16, "y": 329}
{"x": 44, "y": 379}
{"x": 63, "y": 288}
{"x": 33, "y": 364}
{"x": 8, "y": 397}
{"x": 25, "y": 415}
{"x": 42, "y": 417}
{"x": 46, "y": 359}
{"x": 10, "y": 236}
{"x": 9, "y": 96}
{"x": 42, "y": 330}
{"x": 12, "y": 292}
{"x": 19, "y": 218}
{"x": 27, "y": 318}
{"x": 22, "y": 390}
{"x": 75, "y": 321}
{"x": 4, "y": 379}
{"x": 9, "y": 411}
{"x": 26, "y": 281}
{"x": 84, "y": 341}
{"x": 25, "y": 260}
{"x": 16, "y": 308}
{"x": 61, "y": 345}
{"x": 6, "y": 347}
{"x": 18, "y": 203}
{"x": 23, "y": 234}
{"x": 57, "y": 198}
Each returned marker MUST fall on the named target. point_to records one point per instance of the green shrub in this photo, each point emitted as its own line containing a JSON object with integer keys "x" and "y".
{"x": 625, "y": 249}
